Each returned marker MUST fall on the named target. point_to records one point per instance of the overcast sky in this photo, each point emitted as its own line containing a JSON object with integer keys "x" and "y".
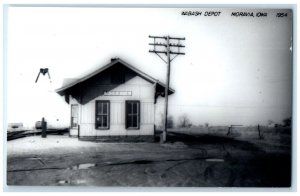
{"x": 237, "y": 70}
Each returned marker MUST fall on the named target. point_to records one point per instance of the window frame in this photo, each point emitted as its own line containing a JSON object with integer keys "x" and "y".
{"x": 71, "y": 125}
{"x": 138, "y": 115}
{"x": 108, "y": 114}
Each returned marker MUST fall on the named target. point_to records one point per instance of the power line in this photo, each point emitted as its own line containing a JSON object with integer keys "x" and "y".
{"x": 165, "y": 42}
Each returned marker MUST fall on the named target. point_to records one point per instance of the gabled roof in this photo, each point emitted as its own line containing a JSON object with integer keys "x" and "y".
{"x": 68, "y": 81}
{"x": 69, "y": 84}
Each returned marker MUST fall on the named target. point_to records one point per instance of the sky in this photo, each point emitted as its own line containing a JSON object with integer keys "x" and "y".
{"x": 236, "y": 69}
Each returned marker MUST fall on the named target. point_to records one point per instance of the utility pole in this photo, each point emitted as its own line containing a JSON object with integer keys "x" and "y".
{"x": 165, "y": 48}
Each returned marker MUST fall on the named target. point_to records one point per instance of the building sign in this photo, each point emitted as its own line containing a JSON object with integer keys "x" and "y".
{"x": 118, "y": 93}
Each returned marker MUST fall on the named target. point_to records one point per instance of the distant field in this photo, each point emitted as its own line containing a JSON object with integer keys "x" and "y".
{"x": 278, "y": 136}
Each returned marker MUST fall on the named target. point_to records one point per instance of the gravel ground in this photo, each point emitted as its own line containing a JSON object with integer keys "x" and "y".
{"x": 185, "y": 161}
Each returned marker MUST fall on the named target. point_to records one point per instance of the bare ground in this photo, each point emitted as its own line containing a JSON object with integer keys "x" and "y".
{"x": 185, "y": 161}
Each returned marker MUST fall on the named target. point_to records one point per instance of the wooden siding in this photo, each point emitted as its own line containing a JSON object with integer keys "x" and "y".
{"x": 140, "y": 90}
{"x": 74, "y": 131}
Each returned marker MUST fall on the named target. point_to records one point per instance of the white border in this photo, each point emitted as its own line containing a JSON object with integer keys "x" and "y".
{"x": 292, "y": 4}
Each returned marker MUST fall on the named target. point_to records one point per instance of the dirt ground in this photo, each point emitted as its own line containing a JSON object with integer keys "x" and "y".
{"x": 185, "y": 161}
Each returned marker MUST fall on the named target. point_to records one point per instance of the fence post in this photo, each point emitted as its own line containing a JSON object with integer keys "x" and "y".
{"x": 259, "y": 132}
{"x": 78, "y": 131}
{"x": 229, "y": 129}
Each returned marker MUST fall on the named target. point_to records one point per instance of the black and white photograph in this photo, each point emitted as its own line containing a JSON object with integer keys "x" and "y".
{"x": 120, "y": 96}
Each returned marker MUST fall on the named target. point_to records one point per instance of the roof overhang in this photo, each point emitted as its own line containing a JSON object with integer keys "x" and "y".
{"x": 61, "y": 91}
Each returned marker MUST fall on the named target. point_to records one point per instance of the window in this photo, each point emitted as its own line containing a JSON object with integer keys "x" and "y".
{"x": 132, "y": 114}
{"x": 74, "y": 116}
{"x": 102, "y": 114}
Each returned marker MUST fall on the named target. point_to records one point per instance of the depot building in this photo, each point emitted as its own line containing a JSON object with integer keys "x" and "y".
{"x": 117, "y": 100}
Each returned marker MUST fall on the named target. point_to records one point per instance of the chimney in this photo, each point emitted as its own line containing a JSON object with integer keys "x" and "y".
{"x": 114, "y": 59}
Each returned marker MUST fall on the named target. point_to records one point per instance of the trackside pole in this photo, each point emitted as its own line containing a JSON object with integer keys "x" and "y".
{"x": 164, "y": 138}
{"x": 44, "y": 128}
{"x": 168, "y": 52}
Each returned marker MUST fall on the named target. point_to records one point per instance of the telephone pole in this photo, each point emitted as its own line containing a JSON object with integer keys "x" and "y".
{"x": 164, "y": 47}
